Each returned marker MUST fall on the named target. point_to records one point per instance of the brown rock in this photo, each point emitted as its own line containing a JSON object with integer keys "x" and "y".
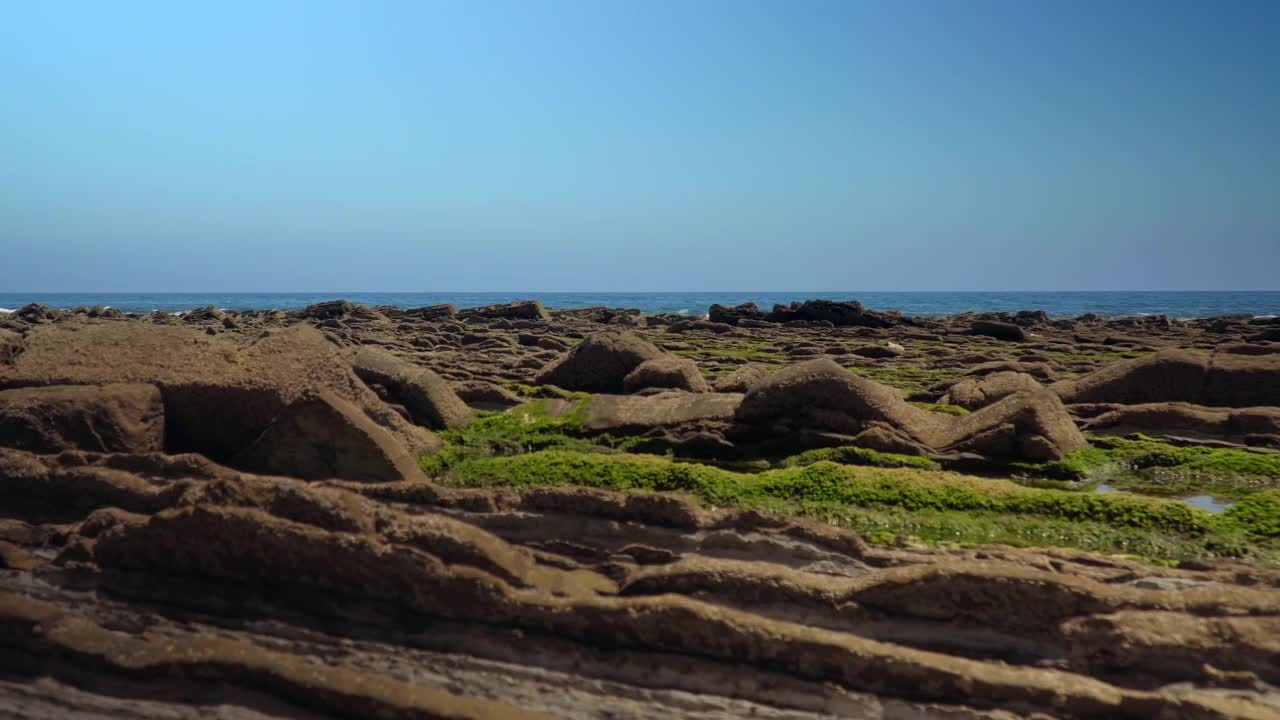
{"x": 742, "y": 379}
{"x": 1217, "y": 380}
{"x": 322, "y": 436}
{"x": 430, "y": 400}
{"x": 669, "y": 371}
{"x": 11, "y": 344}
{"x": 110, "y": 418}
{"x": 1185, "y": 420}
{"x": 820, "y": 394}
{"x": 974, "y": 393}
{"x": 600, "y": 363}
{"x": 220, "y": 392}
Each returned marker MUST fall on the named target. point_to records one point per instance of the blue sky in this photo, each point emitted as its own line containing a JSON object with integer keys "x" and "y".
{"x": 663, "y": 145}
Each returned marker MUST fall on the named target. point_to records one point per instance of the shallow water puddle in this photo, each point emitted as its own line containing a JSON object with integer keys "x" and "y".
{"x": 1204, "y": 502}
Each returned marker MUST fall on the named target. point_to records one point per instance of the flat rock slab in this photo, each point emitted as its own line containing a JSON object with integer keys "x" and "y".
{"x": 629, "y": 412}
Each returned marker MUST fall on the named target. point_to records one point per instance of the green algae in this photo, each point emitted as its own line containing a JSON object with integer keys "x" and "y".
{"x": 942, "y": 408}
{"x": 1150, "y": 466}
{"x": 928, "y": 505}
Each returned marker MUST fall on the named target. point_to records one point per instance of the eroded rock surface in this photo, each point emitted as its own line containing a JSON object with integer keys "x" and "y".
{"x": 221, "y": 515}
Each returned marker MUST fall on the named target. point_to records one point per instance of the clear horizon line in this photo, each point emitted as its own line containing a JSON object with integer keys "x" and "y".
{"x": 597, "y": 292}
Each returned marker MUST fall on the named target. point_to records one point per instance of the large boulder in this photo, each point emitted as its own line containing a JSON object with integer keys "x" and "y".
{"x": 427, "y": 397}
{"x": 220, "y": 392}
{"x": 670, "y": 371}
{"x": 110, "y": 418}
{"x": 1217, "y": 380}
{"x": 734, "y": 315}
{"x": 321, "y": 436}
{"x": 820, "y": 396}
{"x": 600, "y": 363}
{"x": 524, "y": 310}
{"x": 978, "y": 392}
{"x": 1027, "y": 425}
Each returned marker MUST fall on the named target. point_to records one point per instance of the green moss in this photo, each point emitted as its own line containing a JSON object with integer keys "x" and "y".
{"x": 1150, "y": 466}
{"x": 942, "y": 408}
{"x": 522, "y": 429}
{"x": 754, "y": 351}
{"x": 907, "y": 378}
{"x": 889, "y": 525}
{"x": 849, "y": 455}
{"x": 1257, "y": 515}
{"x": 930, "y": 505}
{"x": 827, "y": 482}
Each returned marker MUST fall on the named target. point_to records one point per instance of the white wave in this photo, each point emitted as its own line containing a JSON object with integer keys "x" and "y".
{"x": 6, "y": 310}
{"x": 682, "y": 311}
{"x": 1264, "y": 317}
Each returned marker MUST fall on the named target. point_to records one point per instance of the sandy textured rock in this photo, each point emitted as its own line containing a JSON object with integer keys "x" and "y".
{"x": 99, "y": 418}
{"x": 1216, "y": 380}
{"x": 741, "y": 380}
{"x": 220, "y": 393}
{"x": 321, "y": 435}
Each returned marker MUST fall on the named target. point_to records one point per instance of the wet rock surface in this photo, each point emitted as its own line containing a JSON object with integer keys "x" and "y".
{"x": 224, "y": 516}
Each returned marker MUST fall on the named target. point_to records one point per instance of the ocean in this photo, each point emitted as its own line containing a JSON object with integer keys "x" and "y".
{"x": 1185, "y": 305}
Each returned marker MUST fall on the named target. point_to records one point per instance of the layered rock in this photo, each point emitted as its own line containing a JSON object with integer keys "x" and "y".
{"x": 428, "y": 398}
{"x": 106, "y": 418}
{"x": 1219, "y": 379}
{"x": 219, "y": 394}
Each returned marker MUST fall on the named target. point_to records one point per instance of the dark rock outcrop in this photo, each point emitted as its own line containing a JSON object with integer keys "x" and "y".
{"x": 734, "y": 315}
{"x": 998, "y": 330}
{"x": 524, "y": 309}
{"x": 328, "y": 310}
{"x": 838, "y": 313}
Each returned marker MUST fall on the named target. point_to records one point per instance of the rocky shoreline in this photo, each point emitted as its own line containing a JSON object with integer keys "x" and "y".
{"x": 806, "y": 511}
